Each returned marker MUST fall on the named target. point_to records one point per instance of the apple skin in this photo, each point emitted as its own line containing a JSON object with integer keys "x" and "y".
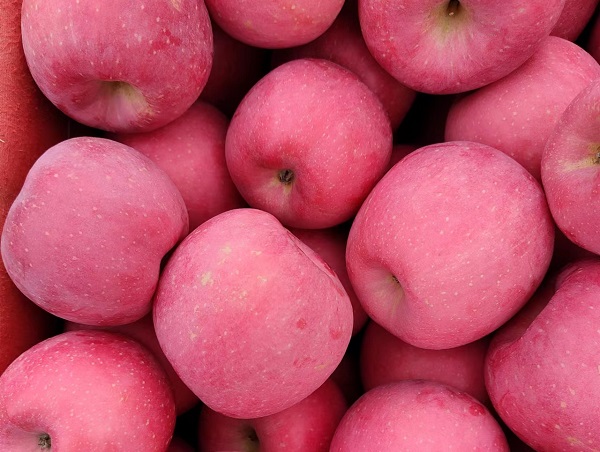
{"x": 236, "y": 68}
{"x": 316, "y": 120}
{"x": 384, "y": 359}
{"x": 306, "y": 426}
{"x": 86, "y": 390}
{"x": 343, "y": 44}
{"x": 85, "y": 237}
{"x": 116, "y": 67}
{"x": 542, "y": 367}
{"x": 574, "y": 17}
{"x": 276, "y": 23}
{"x": 30, "y": 124}
{"x": 518, "y": 113}
{"x": 451, "y": 243}
{"x": 251, "y": 319}
{"x": 417, "y": 415}
{"x": 330, "y": 244}
{"x": 450, "y": 47}
{"x": 570, "y": 169}
{"x": 191, "y": 150}
{"x": 143, "y": 332}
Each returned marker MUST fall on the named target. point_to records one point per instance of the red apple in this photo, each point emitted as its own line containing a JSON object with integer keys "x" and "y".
{"x": 570, "y": 170}
{"x": 450, "y": 244}
{"x": 417, "y": 415}
{"x": 330, "y": 244}
{"x": 518, "y": 113}
{"x": 542, "y": 368}
{"x": 191, "y": 150}
{"x": 143, "y": 331}
{"x": 251, "y": 319}
{"x": 343, "y": 44}
{"x": 118, "y": 66}
{"x": 306, "y": 426}
{"x": 274, "y": 23}
{"x": 574, "y": 17}
{"x": 29, "y": 124}
{"x": 385, "y": 358}
{"x": 85, "y": 390}
{"x": 85, "y": 237}
{"x": 443, "y": 47}
{"x": 308, "y": 143}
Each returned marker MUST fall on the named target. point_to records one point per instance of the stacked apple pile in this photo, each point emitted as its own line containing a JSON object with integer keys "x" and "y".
{"x": 303, "y": 225}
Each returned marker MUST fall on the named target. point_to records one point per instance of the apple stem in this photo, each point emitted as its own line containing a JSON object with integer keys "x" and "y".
{"x": 453, "y": 7}
{"x": 286, "y": 176}
{"x": 44, "y": 441}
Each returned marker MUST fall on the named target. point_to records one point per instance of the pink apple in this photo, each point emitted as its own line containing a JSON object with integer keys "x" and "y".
{"x": 236, "y": 68}
{"x": 274, "y": 23}
{"x": 85, "y": 237}
{"x": 191, "y": 150}
{"x": 343, "y": 44}
{"x": 306, "y": 426}
{"x": 450, "y": 244}
{"x": 542, "y": 369}
{"x": 143, "y": 332}
{"x": 443, "y": 47}
{"x": 85, "y": 390}
{"x": 417, "y": 415}
{"x": 308, "y": 143}
{"x": 385, "y": 358}
{"x": 115, "y": 65}
{"x": 574, "y": 17}
{"x": 518, "y": 113}
{"x": 251, "y": 319}
{"x": 330, "y": 244}
{"x": 570, "y": 170}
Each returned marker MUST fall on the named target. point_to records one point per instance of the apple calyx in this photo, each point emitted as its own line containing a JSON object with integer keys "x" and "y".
{"x": 286, "y": 176}
{"x": 44, "y": 441}
{"x": 253, "y": 443}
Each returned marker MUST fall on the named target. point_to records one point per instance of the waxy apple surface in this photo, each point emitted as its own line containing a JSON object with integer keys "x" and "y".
{"x": 115, "y": 65}
{"x": 308, "y": 143}
{"x": 570, "y": 170}
{"x": 85, "y": 237}
{"x": 450, "y": 244}
{"x": 85, "y": 390}
{"x": 444, "y": 47}
{"x": 251, "y": 319}
{"x": 417, "y": 415}
{"x": 518, "y": 113}
{"x": 542, "y": 369}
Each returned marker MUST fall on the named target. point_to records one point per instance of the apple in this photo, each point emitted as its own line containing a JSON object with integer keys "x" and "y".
{"x": 85, "y": 390}
{"x": 570, "y": 170}
{"x": 450, "y": 244}
{"x": 235, "y": 69}
{"x": 308, "y": 143}
{"x": 85, "y": 237}
{"x": 384, "y": 358}
{"x": 306, "y": 426}
{"x": 143, "y": 332}
{"x": 518, "y": 113}
{"x": 191, "y": 150}
{"x": 574, "y": 17}
{"x": 29, "y": 124}
{"x": 542, "y": 368}
{"x": 118, "y": 66}
{"x": 445, "y": 47}
{"x": 343, "y": 44}
{"x": 274, "y": 23}
{"x": 417, "y": 415}
{"x": 251, "y": 318}
{"x": 330, "y": 245}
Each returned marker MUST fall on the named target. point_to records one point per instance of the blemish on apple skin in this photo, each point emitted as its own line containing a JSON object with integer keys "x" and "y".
{"x": 206, "y": 279}
{"x": 301, "y": 324}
